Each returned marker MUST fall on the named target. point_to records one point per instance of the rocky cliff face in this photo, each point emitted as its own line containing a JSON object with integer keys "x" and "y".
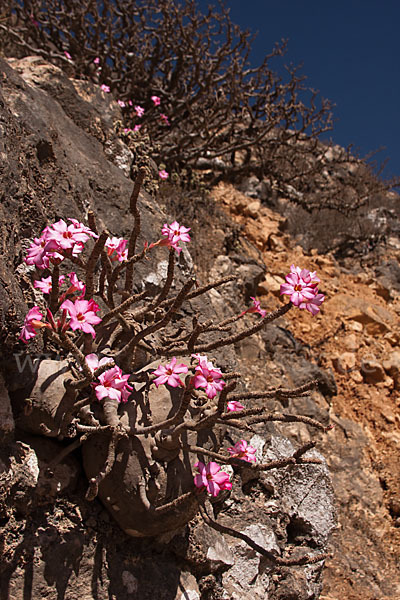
{"x": 60, "y": 156}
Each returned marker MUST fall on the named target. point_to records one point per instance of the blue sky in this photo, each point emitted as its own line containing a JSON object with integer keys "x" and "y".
{"x": 350, "y": 52}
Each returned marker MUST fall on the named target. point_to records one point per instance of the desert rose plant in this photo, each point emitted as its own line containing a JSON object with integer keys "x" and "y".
{"x": 140, "y": 395}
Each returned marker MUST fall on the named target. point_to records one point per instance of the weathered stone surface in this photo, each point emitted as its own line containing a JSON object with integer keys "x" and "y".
{"x": 344, "y": 363}
{"x": 6, "y": 416}
{"x": 392, "y": 367}
{"x": 372, "y": 371}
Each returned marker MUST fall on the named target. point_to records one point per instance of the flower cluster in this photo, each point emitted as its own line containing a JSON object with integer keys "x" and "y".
{"x": 207, "y": 376}
{"x": 112, "y": 383}
{"x": 302, "y": 287}
{"x": 212, "y": 478}
{"x": 56, "y": 240}
{"x": 243, "y": 450}
{"x": 116, "y": 249}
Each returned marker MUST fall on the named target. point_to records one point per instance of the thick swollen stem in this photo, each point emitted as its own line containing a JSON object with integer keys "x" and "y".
{"x": 168, "y": 423}
{"x": 91, "y": 264}
{"x": 159, "y": 324}
{"x": 108, "y": 465}
{"x": 110, "y": 411}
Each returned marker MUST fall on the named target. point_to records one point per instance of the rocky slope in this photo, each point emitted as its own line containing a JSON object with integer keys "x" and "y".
{"x": 356, "y": 337}
{"x": 60, "y": 156}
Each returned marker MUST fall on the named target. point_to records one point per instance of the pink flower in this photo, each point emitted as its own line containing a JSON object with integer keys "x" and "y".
{"x": 130, "y": 102}
{"x": 76, "y": 285}
{"x": 156, "y": 100}
{"x": 82, "y": 315}
{"x": 212, "y": 478}
{"x": 61, "y": 236}
{"x": 44, "y": 285}
{"x": 163, "y": 174}
{"x": 105, "y": 88}
{"x": 127, "y": 130}
{"x": 67, "y": 54}
{"x": 255, "y": 308}
{"x": 175, "y": 233}
{"x": 94, "y": 363}
{"x": 97, "y": 60}
{"x": 39, "y": 253}
{"x": 313, "y": 305}
{"x": 243, "y": 451}
{"x": 301, "y": 285}
{"x": 165, "y": 119}
{"x": 170, "y": 374}
{"x": 116, "y": 249}
{"x": 31, "y": 324}
{"x": 137, "y": 128}
{"x": 113, "y": 385}
{"x": 234, "y": 406}
{"x": 121, "y": 103}
{"x": 139, "y": 110}
{"x": 207, "y": 376}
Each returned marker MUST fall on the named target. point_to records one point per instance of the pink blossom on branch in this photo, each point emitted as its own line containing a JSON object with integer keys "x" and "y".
{"x": 313, "y": 305}
{"x": 44, "y": 285}
{"x": 156, "y": 100}
{"x": 94, "y": 363}
{"x": 212, "y": 478}
{"x": 165, "y": 119}
{"x": 82, "y": 315}
{"x": 169, "y": 374}
{"x": 163, "y": 174}
{"x": 302, "y": 287}
{"x": 32, "y": 323}
{"x": 139, "y": 110}
{"x": 116, "y": 249}
{"x": 207, "y": 377}
{"x": 255, "y": 308}
{"x": 96, "y": 60}
{"x": 105, "y": 88}
{"x": 67, "y": 54}
{"x": 243, "y": 451}
{"x": 112, "y": 384}
{"x": 76, "y": 285}
{"x": 234, "y": 406}
{"x": 175, "y": 233}
{"x": 121, "y": 103}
